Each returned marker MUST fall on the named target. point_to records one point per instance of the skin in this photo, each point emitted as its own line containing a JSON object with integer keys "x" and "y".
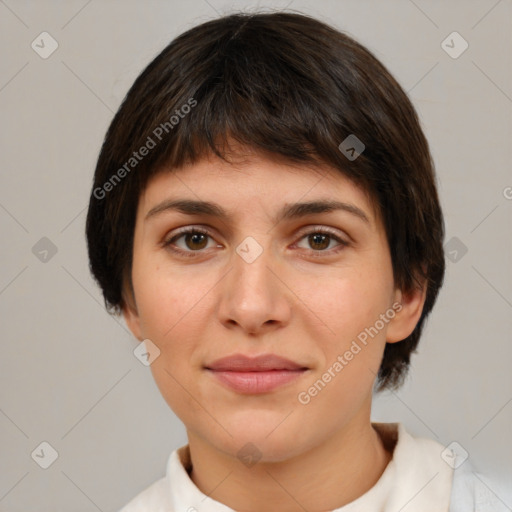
{"x": 318, "y": 456}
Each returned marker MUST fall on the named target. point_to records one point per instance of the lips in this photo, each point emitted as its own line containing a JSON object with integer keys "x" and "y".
{"x": 266, "y": 362}
{"x": 255, "y": 375}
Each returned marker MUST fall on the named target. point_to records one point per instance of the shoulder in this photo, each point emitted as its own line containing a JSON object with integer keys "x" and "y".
{"x": 416, "y": 454}
{"x": 152, "y": 499}
{"x": 160, "y": 496}
{"x": 473, "y": 491}
{"x": 468, "y": 489}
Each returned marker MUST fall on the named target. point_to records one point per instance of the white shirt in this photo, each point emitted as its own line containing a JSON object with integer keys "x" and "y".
{"x": 417, "y": 479}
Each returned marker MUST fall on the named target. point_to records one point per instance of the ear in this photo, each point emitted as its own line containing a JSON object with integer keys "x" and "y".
{"x": 406, "y": 318}
{"x": 132, "y": 319}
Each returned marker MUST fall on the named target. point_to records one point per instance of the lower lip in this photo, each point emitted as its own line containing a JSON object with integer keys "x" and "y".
{"x": 257, "y": 382}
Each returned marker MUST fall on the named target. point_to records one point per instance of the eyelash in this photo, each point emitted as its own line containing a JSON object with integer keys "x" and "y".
{"x": 195, "y": 230}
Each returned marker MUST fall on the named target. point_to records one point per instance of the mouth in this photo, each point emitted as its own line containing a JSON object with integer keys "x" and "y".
{"x": 255, "y": 375}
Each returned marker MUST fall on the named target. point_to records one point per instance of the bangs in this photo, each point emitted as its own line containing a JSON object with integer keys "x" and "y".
{"x": 263, "y": 96}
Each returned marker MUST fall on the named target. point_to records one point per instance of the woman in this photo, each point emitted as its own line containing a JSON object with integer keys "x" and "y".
{"x": 265, "y": 216}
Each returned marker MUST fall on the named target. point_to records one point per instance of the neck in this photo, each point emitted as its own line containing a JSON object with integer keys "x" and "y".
{"x": 326, "y": 477}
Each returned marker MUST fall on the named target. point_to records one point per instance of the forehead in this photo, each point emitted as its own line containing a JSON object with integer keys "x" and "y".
{"x": 252, "y": 178}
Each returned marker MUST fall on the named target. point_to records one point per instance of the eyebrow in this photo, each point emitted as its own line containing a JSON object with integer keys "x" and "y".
{"x": 287, "y": 212}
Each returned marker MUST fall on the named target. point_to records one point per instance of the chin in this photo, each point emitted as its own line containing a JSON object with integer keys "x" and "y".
{"x": 263, "y": 440}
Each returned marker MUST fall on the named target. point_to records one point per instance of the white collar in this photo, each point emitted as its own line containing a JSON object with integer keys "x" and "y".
{"x": 416, "y": 480}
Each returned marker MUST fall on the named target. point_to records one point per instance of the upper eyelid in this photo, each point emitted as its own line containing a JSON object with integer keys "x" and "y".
{"x": 306, "y": 230}
{"x": 209, "y": 230}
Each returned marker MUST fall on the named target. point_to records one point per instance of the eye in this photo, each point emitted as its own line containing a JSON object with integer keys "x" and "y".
{"x": 195, "y": 240}
{"x": 320, "y": 239}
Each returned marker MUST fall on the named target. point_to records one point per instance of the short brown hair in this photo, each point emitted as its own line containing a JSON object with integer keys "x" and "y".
{"x": 285, "y": 84}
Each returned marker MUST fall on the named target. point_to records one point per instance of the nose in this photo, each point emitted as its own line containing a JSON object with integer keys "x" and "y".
{"x": 254, "y": 297}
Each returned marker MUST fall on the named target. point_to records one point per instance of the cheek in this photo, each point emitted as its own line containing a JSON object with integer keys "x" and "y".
{"x": 172, "y": 315}
{"x": 350, "y": 306}
{"x": 172, "y": 377}
{"x": 349, "y": 303}
{"x": 165, "y": 300}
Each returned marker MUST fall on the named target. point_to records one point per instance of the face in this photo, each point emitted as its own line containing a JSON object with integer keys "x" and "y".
{"x": 313, "y": 285}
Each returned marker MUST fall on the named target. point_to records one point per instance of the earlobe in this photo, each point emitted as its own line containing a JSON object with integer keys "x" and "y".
{"x": 406, "y": 318}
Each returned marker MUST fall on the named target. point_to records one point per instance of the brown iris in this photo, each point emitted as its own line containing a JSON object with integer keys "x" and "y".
{"x": 319, "y": 239}
{"x": 197, "y": 240}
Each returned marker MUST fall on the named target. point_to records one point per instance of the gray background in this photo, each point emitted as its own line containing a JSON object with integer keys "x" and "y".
{"x": 68, "y": 375}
